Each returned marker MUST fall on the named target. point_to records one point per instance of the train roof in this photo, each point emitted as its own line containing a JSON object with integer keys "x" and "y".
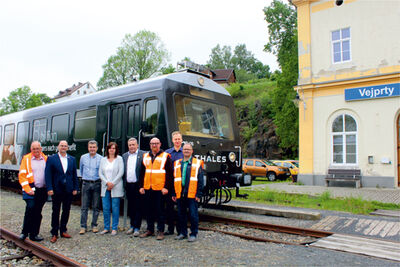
{"x": 128, "y": 89}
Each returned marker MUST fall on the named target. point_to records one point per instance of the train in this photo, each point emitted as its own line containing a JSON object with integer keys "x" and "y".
{"x": 189, "y": 102}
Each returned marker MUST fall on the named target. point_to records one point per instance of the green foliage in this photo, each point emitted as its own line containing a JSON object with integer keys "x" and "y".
{"x": 168, "y": 69}
{"x": 282, "y": 29}
{"x": 141, "y": 55}
{"x": 22, "y": 98}
{"x": 246, "y": 66}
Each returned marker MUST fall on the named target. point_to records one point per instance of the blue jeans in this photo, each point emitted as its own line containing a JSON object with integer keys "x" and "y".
{"x": 191, "y": 204}
{"x": 108, "y": 204}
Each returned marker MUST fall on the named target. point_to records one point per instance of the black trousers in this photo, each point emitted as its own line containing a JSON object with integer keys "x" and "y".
{"x": 33, "y": 212}
{"x": 65, "y": 199}
{"x": 170, "y": 214}
{"x": 154, "y": 210}
{"x": 135, "y": 202}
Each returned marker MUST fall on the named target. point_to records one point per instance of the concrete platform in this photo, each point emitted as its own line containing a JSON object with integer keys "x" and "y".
{"x": 253, "y": 208}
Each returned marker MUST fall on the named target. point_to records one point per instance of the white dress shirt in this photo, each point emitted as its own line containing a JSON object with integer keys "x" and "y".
{"x": 64, "y": 162}
{"x": 131, "y": 168}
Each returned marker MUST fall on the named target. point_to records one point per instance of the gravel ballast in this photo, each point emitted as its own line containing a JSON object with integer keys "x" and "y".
{"x": 211, "y": 249}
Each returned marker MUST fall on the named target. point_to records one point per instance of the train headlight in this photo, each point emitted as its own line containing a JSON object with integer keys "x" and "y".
{"x": 232, "y": 157}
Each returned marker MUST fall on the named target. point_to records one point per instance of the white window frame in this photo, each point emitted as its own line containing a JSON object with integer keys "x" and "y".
{"x": 341, "y": 46}
{"x": 344, "y": 135}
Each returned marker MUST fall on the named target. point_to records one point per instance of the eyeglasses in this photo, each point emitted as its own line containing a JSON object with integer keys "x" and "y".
{"x": 154, "y": 144}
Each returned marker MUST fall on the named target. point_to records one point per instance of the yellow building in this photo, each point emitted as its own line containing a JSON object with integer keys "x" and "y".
{"x": 349, "y": 88}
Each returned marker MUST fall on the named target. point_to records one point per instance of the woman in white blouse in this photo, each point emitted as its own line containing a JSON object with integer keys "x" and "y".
{"x": 111, "y": 172}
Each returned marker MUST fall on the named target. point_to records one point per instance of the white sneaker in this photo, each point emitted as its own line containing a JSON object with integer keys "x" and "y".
{"x": 136, "y": 233}
{"x": 114, "y": 232}
{"x": 130, "y": 231}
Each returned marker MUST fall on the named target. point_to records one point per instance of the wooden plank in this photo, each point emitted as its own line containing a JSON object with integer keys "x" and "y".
{"x": 360, "y": 245}
{"x": 390, "y": 213}
{"x": 362, "y": 223}
{"x": 371, "y": 226}
{"x": 367, "y": 241}
{"x": 395, "y": 230}
{"x": 378, "y": 228}
{"x": 387, "y": 228}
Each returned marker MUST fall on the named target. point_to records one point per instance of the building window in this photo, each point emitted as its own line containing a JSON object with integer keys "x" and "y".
{"x": 344, "y": 140}
{"x": 341, "y": 45}
{"x": 85, "y": 124}
{"x": 22, "y": 133}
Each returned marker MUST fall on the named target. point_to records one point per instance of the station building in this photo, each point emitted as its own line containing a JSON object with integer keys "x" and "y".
{"x": 349, "y": 90}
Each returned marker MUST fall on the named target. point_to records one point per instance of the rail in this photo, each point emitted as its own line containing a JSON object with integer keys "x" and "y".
{"x": 41, "y": 251}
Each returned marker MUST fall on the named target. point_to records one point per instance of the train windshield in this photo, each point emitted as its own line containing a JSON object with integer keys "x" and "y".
{"x": 203, "y": 119}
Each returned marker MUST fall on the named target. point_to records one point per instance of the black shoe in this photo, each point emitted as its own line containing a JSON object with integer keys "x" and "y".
{"x": 169, "y": 232}
{"x": 23, "y": 237}
{"x": 37, "y": 238}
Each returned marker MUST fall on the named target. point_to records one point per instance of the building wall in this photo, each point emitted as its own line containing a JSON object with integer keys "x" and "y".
{"x": 375, "y": 46}
{"x": 375, "y": 60}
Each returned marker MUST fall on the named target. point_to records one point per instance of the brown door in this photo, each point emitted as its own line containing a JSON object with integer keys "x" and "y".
{"x": 398, "y": 150}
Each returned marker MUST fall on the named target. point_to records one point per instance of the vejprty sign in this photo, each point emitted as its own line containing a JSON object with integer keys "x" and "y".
{"x": 372, "y": 92}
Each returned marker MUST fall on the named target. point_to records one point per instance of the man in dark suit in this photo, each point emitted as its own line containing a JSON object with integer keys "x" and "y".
{"x": 132, "y": 164}
{"x": 62, "y": 183}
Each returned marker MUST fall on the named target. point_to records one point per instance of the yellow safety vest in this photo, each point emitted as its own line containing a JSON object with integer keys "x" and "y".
{"x": 155, "y": 171}
{"x": 194, "y": 171}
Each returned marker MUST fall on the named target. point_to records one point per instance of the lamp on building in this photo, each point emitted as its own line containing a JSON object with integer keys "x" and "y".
{"x": 299, "y": 99}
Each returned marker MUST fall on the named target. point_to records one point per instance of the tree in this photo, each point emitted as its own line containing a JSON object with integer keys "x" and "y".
{"x": 169, "y": 69}
{"x": 139, "y": 57}
{"x": 246, "y": 66}
{"x": 22, "y": 98}
{"x": 282, "y": 29}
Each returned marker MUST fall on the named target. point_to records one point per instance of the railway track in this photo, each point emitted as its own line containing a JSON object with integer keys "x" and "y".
{"x": 287, "y": 232}
{"x": 36, "y": 249}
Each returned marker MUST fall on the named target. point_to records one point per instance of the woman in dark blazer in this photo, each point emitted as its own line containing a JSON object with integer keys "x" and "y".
{"x": 112, "y": 188}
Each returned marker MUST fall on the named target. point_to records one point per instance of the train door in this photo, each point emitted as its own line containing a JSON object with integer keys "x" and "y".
{"x": 116, "y": 130}
{"x": 133, "y": 120}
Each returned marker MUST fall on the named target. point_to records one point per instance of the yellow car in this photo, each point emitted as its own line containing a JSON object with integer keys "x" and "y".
{"x": 293, "y": 166}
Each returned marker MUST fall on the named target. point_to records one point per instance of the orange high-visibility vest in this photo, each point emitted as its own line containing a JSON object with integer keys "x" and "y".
{"x": 26, "y": 174}
{"x": 194, "y": 171}
{"x": 154, "y": 177}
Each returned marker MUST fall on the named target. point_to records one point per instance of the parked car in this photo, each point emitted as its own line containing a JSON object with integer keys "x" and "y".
{"x": 293, "y": 166}
{"x": 264, "y": 168}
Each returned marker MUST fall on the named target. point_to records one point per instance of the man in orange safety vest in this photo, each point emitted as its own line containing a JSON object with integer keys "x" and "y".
{"x": 188, "y": 185}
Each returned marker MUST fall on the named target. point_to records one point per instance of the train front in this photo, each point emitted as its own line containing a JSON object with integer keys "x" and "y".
{"x": 206, "y": 117}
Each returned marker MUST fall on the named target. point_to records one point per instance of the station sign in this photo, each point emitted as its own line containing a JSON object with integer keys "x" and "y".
{"x": 372, "y": 92}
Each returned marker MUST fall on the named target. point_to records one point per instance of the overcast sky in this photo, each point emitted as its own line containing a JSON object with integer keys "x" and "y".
{"x": 50, "y": 45}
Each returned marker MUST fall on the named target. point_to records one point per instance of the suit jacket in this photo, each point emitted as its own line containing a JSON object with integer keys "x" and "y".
{"x": 116, "y": 178}
{"x": 139, "y": 160}
{"x": 54, "y": 175}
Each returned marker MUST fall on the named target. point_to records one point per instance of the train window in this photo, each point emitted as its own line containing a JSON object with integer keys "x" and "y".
{"x": 60, "y": 127}
{"x": 133, "y": 120}
{"x": 22, "y": 132}
{"x": 150, "y": 115}
{"x": 39, "y": 130}
{"x": 85, "y": 124}
{"x": 9, "y": 134}
{"x": 250, "y": 163}
{"x": 116, "y": 122}
{"x": 203, "y": 119}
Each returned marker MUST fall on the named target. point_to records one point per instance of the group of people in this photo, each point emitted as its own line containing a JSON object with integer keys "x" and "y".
{"x": 152, "y": 183}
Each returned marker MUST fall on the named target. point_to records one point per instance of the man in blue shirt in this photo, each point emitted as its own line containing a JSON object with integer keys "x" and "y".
{"x": 91, "y": 186}
{"x": 176, "y": 154}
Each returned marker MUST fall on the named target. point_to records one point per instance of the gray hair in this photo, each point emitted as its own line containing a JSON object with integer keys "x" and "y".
{"x": 187, "y": 143}
{"x": 132, "y": 139}
{"x": 92, "y": 142}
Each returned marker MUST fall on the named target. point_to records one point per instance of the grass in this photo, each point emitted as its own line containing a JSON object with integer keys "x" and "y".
{"x": 323, "y": 201}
